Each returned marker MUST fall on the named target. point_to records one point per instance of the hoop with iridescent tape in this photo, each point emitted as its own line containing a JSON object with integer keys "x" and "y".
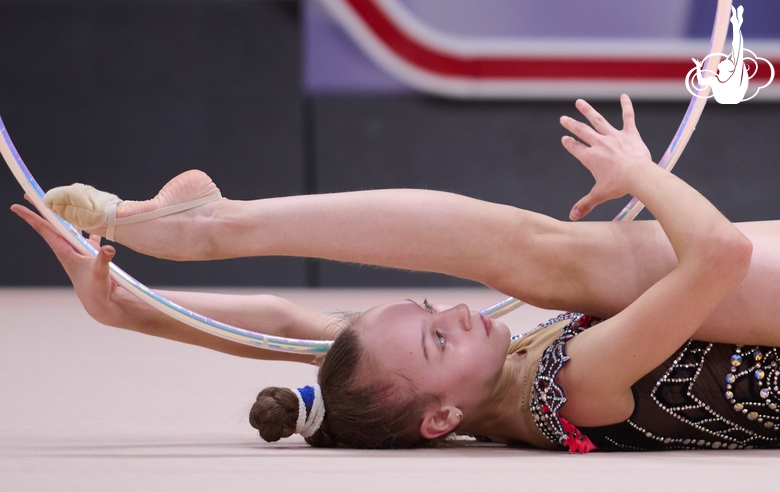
{"x": 695, "y": 107}
{"x": 138, "y": 289}
{"x": 292, "y": 345}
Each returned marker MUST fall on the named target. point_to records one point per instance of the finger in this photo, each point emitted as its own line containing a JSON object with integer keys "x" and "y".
{"x": 100, "y": 267}
{"x": 574, "y": 146}
{"x": 36, "y": 221}
{"x": 629, "y": 124}
{"x": 57, "y": 243}
{"x": 29, "y": 200}
{"x": 584, "y": 206}
{"x": 581, "y": 130}
{"x": 594, "y": 117}
{"x": 94, "y": 239}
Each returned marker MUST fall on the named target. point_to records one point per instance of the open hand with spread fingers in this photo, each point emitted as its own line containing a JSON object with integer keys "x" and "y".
{"x": 608, "y": 153}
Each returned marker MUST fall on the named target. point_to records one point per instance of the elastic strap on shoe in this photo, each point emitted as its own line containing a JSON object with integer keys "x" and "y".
{"x": 111, "y": 218}
{"x": 113, "y": 221}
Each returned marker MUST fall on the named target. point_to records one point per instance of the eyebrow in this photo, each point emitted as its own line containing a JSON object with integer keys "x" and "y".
{"x": 425, "y": 350}
{"x": 424, "y": 333}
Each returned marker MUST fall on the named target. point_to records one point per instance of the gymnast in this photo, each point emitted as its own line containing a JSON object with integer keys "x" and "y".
{"x": 675, "y": 351}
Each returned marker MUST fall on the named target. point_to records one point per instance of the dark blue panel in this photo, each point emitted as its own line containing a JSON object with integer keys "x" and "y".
{"x": 762, "y": 18}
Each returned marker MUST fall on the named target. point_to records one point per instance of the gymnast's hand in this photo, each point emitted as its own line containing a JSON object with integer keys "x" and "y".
{"x": 88, "y": 274}
{"x": 610, "y": 155}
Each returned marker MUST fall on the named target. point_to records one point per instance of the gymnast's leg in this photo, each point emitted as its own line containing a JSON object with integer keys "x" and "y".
{"x": 594, "y": 267}
{"x": 409, "y": 229}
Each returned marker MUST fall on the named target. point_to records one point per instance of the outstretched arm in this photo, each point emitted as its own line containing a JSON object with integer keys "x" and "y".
{"x": 112, "y": 305}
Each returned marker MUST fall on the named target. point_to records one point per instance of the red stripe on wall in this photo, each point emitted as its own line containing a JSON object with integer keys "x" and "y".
{"x": 432, "y": 60}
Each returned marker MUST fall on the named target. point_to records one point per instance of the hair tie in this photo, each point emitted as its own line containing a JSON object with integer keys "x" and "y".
{"x": 309, "y": 397}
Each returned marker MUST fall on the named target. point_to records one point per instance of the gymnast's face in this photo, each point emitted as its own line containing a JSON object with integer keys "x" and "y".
{"x": 447, "y": 351}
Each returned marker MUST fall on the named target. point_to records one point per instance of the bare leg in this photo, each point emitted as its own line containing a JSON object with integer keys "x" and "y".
{"x": 612, "y": 264}
{"x": 410, "y": 229}
{"x": 751, "y": 312}
{"x": 594, "y": 267}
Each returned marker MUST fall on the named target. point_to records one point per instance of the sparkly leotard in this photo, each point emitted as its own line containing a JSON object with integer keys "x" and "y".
{"x": 705, "y": 396}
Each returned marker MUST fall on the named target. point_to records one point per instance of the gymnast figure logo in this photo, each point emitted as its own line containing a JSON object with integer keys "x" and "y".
{"x": 730, "y": 83}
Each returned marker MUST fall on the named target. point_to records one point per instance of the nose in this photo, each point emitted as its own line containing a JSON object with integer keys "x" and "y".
{"x": 463, "y": 315}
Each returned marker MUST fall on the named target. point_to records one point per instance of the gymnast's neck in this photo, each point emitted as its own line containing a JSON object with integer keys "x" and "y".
{"x": 499, "y": 415}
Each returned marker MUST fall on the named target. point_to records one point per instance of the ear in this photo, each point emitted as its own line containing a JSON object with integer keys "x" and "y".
{"x": 438, "y": 421}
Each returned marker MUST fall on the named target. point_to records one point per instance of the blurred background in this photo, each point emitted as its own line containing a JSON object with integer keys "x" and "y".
{"x": 283, "y": 97}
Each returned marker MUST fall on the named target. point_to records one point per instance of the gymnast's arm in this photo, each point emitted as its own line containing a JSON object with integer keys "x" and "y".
{"x": 714, "y": 257}
{"x": 112, "y": 305}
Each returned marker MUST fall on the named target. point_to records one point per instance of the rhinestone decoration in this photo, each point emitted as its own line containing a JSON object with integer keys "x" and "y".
{"x": 729, "y": 433}
{"x": 751, "y": 388}
{"x": 560, "y": 317}
{"x": 547, "y": 396}
{"x": 764, "y": 370}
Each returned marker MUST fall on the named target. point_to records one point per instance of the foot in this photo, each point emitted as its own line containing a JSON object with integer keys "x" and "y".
{"x": 172, "y": 236}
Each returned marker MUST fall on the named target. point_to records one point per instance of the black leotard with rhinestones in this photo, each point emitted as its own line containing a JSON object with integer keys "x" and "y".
{"x": 705, "y": 396}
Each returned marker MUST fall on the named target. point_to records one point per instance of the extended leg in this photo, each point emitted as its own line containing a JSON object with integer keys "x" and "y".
{"x": 409, "y": 229}
{"x": 594, "y": 267}
{"x": 611, "y": 264}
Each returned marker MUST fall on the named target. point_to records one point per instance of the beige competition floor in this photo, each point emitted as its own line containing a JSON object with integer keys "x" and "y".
{"x": 90, "y": 408}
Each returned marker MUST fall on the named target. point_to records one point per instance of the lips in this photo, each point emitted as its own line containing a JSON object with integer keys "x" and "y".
{"x": 487, "y": 323}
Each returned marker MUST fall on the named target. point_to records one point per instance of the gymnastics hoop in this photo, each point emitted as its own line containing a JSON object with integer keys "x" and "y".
{"x": 298, "y": 346}
{"x": 673, "y": 152}
{"x": 191, "y": 318}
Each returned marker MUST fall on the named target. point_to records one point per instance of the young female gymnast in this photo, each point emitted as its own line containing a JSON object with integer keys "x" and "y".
{"x": 682, "y": 359}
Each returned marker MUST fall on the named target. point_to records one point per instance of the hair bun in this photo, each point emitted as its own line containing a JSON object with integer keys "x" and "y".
{"x": 274, "y": 413}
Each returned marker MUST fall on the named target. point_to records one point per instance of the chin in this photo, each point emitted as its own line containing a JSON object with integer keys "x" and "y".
{"x": 502, "y": 336}
{"x": 502, "y": 330}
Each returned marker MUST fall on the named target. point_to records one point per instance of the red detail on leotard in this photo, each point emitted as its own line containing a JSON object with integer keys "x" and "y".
{"x": 577, "y": 441}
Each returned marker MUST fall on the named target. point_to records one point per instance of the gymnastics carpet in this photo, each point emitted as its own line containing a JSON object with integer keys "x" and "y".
{"x": 90, "y": 408}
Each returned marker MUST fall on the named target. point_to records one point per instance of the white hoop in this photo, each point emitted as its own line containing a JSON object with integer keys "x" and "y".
{"x": 684, "y": 131}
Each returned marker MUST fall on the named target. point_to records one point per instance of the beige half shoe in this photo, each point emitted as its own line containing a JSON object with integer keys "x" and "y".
{"x": 88, "y": 208}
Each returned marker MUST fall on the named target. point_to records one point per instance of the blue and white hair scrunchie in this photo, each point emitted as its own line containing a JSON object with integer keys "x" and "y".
{"x": 309, "y": 397}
